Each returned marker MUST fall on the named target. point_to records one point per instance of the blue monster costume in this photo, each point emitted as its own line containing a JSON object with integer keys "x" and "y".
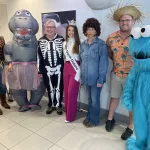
{"x": 21, "y": 52}
{"x": 136, "y": 95}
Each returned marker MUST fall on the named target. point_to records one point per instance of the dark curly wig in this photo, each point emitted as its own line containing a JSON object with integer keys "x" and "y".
{"x": 92, "y": 23}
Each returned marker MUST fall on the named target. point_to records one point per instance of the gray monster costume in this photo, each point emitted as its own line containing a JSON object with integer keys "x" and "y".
{"x": 21, "y": 52}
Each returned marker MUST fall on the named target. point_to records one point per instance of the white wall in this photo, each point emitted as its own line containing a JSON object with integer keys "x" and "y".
{"x": 3, "y": 22}
{"x": 36, "y": 7}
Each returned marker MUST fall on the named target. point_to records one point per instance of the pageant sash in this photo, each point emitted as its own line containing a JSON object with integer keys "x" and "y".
{"x": 74, "y": 65}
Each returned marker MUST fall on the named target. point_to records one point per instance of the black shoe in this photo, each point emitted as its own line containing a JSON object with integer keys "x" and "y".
{"x": 127, "y": 133}
{"x": 10, "y": 100}
{"x": 59, "y": 110}
{"x": 85, "y": 121}
{"x": 109, "y": 125}
{"x": 50, "y": 110}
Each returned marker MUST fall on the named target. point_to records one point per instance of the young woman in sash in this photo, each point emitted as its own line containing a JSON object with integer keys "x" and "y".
{"x": 71, "y": 71}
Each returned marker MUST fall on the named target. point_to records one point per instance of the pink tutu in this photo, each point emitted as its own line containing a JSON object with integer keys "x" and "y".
{"x": 23, "y": 76}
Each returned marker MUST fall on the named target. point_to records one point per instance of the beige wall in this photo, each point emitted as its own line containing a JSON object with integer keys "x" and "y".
{"x": 4, "y": 22}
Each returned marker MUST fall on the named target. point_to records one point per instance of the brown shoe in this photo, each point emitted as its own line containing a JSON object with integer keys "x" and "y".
{"x": 3, "y": 102}
{"x": 89, "y": 125}
{"x": 1, "y": 112}
{"x": 85, "y": 121}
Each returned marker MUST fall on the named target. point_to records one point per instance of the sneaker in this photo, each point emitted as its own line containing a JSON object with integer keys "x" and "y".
{"x": 89, "y": 125}
{"x": 127, "y": 133}
{"x": 24, "y": 108}
{"x": 109, "y": 125}
{"x": 50, "y": 110}
{"x": 67, "y": 121}
{"x": 34, "y": 107}
{"x": 85, "y": 121}
{"x": 59, "y": 111}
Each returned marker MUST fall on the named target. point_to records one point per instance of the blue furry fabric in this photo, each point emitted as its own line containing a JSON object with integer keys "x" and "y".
{"x": 131, "y": 144}
{"x": 136, "y": 94}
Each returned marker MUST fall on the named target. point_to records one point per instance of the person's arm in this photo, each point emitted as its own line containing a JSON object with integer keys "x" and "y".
{"x": 39, "y": 59}
{"x": 110, "y": 53}
{"x": 64, "y": 48}
{"x": 80, "y": 52}
{"x": 127, "y": 95}
{"x": 103, "y": 64}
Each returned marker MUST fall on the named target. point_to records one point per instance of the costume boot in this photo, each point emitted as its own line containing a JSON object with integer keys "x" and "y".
{"x": 1, "y": 112}
{"x": 3, "y": 102}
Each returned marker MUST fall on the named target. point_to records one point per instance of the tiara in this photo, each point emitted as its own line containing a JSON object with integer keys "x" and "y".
{"x": 72, "y": 22}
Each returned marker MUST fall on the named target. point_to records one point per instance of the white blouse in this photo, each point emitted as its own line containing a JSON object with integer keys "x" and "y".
{"x": 70, "y": 44}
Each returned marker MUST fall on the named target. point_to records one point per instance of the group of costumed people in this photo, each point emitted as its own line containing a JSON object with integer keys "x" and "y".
{"x": 27, "y": 72}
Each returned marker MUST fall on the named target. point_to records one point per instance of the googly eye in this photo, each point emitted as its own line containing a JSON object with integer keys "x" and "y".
{"x": 136, "y": 33}
{"x": 27, "y": 13}
{"x": 145, "y": 31}
{"x": 18, "y": 13}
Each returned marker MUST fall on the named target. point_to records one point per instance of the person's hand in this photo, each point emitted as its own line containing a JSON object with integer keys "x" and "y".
{"x": 40, "y": 75}
{"x": 99, "y": 85}
{"x": 10, "y": 68}
{"x": 82, "y": 85}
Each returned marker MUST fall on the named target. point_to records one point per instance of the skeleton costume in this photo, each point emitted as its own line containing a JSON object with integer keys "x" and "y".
{"x": 51, "y": 67}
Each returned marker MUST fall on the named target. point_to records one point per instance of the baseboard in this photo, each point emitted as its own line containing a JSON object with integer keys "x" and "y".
{"x": 104, "y": 113}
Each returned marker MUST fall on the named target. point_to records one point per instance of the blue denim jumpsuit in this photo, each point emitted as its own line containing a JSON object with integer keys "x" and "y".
{"x": 94, "y": 65}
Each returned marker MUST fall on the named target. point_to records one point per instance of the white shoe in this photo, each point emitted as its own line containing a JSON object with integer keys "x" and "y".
{"x": 67, "y": 121}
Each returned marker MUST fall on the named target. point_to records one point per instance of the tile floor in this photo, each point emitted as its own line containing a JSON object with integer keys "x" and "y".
{"x": 38, "y": 131}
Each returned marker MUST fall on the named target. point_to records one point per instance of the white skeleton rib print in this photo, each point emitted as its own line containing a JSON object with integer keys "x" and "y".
{"x": 56, "y": 48}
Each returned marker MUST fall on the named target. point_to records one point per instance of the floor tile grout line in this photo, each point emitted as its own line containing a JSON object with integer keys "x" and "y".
{"x": 4, "y": 146}
{"x": 38, "y": 129}
{"x": 35, "y": 132}
{"x": 50, "y": 146}
{"x": 60, "y": 146}
{"x": 63, "y": 136}
{"x": 71, "y": 128}
{"x": 44, "y": 138}
{"x": 110, "y": 133}
{"x": 58, "y": 139}
{"x": 83, "y": 133}
{"x": 68, "y": 133}
{"x": 8, "y": 128}
{"x": 67, "y": 123}
{"x": 19, "y": 121}
{"x": 21, "y": 140}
